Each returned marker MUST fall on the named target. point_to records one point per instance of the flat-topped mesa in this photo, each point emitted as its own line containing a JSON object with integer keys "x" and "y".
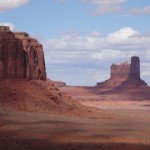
{"x": 127, "y": 71}
{"x": 124, "y": 75}
{"x": 21, "y": 57}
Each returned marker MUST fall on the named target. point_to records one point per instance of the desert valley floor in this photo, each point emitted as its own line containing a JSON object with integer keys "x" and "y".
{"x": 115, "y": 125}
{"x": 37, "y": 113}
{"x": 123, "y": 127}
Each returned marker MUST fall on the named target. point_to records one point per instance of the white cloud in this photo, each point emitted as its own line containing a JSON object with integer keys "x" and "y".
{"x": 106, "y": 6}
{"x": 116, "y": 6}
{"x": 111, "y": 2}
{"x": 140, "y": 11}
{"x": 10, "y": 4}
{"x": 86, "y": 52}
{"x": 95, "y": 34}
{"x": 12, "y": 26}
{"x": 122, "y": 35}
{"x": 105, "y": 55}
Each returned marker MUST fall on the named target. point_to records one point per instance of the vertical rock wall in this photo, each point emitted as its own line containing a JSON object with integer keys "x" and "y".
{"x": 135, "y": 68}
{"x": 12, "y": 56}
{"x": 35, "y": 64}
{"x": 21, "y": 57}
{"x": 121, "y": 71}
{"x": 126, "y": 71}
{"x": 124, "y": 75}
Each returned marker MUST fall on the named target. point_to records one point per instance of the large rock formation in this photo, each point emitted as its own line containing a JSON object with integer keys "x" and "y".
{"x": 21, "y": 57}
{"x": 135, "y": 68}
{"x": 121, "y": 71}
{"x": 124, "y": 75}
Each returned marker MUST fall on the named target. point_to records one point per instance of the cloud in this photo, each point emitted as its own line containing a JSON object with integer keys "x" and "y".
{"x": 106, "y": 6}
{"x": 122, "y": 35}
{"x": 87, "y": 57}
{"x": 11, "y": 4}
{"x": 102, "y": 2}
{"x": 116, "y": 6}
{"x": 95, "y": 34}
{"x": 140, "y": 11}
{"x": 113, "y": 6}
{"x": 12, "y": 26}
{"x": 105, "y": 55}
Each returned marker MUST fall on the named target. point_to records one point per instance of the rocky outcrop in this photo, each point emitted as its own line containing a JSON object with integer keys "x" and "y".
{"x": 124, "y": 75}
{"x": 58, "y": 84}
{"x": 12, "y": 55}
{"x": 135, "y": 68}
{"x": 21, "y": 57}
{"x": 121, "y": 71}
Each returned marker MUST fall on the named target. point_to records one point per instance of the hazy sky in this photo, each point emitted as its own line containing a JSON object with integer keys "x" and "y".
{"x": 82, "y": 38}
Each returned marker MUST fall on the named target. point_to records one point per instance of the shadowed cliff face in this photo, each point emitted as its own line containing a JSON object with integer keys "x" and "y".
{"x": 124, "y": 75}
{"x": 21, "y": 57}
{"x": 135, "y": 68}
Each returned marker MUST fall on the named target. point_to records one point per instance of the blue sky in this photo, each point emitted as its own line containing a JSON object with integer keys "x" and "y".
{"x": 82, "y": 38}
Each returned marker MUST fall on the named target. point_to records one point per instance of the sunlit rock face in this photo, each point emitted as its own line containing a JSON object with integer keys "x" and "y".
{"x": 124, "y": 75}
{"x": 121, "y": 71}
{"x": 21, "y": 57}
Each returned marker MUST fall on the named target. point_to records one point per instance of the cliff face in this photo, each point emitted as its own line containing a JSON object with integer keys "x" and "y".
{"x": 135, "y": 68}
{"x": 21, "y": 57}
{"x": 126, "y": 71}
{"x": 124, "y": 75}
{"x": 121, "y": 71}
{"x": 12, "y": 56}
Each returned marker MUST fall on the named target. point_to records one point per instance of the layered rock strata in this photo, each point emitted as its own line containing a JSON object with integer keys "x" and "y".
{"x": 124, "y": 75}
{"x": 21, "y": 57}
{"x": 121, "y": 71}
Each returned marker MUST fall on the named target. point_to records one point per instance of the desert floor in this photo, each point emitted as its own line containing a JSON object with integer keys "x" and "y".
{"x": 125, "y": 126}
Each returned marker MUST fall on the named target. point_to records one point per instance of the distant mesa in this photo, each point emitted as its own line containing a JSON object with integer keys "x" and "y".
{"x": 124, "y": 83}
{"x": 124, "y": 75}
{"x": 21, "y": 56}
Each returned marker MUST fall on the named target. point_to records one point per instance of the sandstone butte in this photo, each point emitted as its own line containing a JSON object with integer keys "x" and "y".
{"x": 124, "y": 75}
{"x": 21, "y": 56}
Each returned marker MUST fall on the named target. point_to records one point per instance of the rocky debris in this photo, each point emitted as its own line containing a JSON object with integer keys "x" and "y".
{"x": 57, "y": 84}
{"x": 40, "y": 96}
{"x": 21, "y": 57}
{"x": 124, "y": 75}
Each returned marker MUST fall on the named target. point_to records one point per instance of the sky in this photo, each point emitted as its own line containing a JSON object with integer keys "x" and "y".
{"x": 82, "y": 38}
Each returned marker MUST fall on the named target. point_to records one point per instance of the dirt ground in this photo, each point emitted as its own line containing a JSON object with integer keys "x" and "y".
{"x": 53, "y": 120}
{"x": 126, "y": 128}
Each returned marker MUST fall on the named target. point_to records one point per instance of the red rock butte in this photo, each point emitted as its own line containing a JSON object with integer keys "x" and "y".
{"x": 21, "y": 56}
{"x": 124, "y": 75}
